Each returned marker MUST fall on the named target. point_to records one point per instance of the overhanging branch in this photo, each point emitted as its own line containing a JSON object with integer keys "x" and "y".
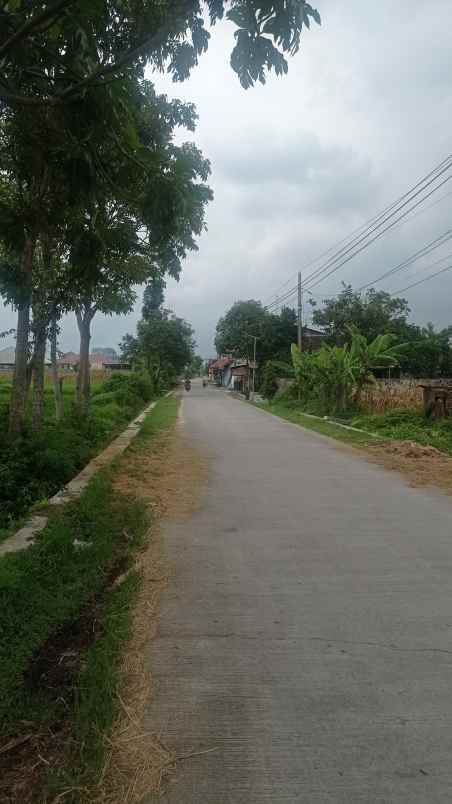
{"x": 34, "y": 23}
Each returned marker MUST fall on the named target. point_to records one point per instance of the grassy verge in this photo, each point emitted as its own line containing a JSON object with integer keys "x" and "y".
{"x": 35, "y": 466}
{"x": 64, "y": 615}
{"x": 293, "y": 414}
{"x": 398, "y": 425}
{"x": 408, "y": 425}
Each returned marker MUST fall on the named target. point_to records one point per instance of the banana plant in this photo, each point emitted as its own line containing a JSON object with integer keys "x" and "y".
{"x": 383, "y": 352}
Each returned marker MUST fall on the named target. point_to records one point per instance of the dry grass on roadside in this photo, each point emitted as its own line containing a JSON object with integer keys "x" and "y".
{"x": 170, "y": 477}
{"x": 421, "y": 465}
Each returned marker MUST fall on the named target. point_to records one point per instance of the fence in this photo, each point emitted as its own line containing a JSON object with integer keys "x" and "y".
{"x": 392, "y": 394}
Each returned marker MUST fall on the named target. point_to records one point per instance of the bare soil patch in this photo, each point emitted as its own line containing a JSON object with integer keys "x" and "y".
{"x": 421, "y": 465}
{"x": 171, "y": 476}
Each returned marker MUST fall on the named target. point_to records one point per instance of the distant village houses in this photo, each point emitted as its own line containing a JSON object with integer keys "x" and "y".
{"x": 107, "y": 359}
{"x": 235, "y": 373}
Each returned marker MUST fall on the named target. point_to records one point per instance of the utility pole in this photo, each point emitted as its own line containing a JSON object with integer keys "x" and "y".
{"x": 255, "y": 339}
{"x": 300, "y": 313}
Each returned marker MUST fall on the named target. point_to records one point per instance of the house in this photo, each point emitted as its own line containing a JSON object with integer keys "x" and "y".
{"x": 313, "y": 339}
{"x": 97, "y": 361}
{"x": 7, "y": 358}
{"x": 242, "y": 375}
{"x": 68, "y": 362}
{"x": 219, "y": 371}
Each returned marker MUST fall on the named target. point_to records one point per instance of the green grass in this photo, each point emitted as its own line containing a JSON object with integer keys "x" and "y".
{"x": 293, "y": 414}
{"x": 52, "y": 598}
{"x": 35, "y": 466}
{"x": 403, "y": 425}
{"x": 163, "y": 416}
{"x": 48, "y": 585}
{"x": 407, "y": 425}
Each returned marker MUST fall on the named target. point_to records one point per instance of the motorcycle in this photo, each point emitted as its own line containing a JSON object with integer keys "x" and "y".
{"x": 187, "y": 385}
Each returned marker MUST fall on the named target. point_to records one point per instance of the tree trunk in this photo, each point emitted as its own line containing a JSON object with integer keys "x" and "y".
{"x": 84, "y": 319}
{"x": 19, "y": 391}
{"x": 55, "y": 379}
{"x": 38, "y": 376}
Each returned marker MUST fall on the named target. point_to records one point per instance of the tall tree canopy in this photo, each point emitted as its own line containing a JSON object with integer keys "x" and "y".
{"x": 245, "y": 319}
{"x": 59, "y": 51}
{"x": 427, "y": 352}
{"x": 83, "y": 137}
{"x": 372, "y": 313}
{"x": 164, "y": 343}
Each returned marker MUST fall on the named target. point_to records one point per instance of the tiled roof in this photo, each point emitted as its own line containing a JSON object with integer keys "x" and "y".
{"x": 221, "y": 363}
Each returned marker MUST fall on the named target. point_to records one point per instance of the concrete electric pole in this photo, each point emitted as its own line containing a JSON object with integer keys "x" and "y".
{"x": 300, "y": 313}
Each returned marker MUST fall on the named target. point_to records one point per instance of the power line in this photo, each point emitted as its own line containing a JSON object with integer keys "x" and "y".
{"x": 427, "y": 249}
{"x": 405, "y": 264}
{"x": 393, "y": 209}
{"x": 425, "y": 279}
{"x": 375, "y": 223}
{"x": 335, "y": 268}
{"x": 276, "y": 297}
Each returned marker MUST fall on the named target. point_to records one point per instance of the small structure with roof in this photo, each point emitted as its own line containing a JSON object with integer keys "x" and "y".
{"x": 7, "y": 358}
{"x": 219, "y": 370}
{"x": 68, "y": 362}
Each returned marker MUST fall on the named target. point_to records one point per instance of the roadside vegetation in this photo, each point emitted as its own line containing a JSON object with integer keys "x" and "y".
{"x": 34, "y": 466}
{"x": 364, "y": 370}
{"x": 409, "y": 425}
{"x": 65, "y": 614}
{"x": 292, "y": 413}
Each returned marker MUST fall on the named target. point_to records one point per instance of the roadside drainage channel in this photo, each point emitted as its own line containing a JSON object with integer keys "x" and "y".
{"x": 24, "y": 537}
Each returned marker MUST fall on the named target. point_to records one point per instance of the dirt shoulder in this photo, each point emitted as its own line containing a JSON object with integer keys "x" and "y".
{"x": 171, "y": 478}
{"x": 421, "y": 465}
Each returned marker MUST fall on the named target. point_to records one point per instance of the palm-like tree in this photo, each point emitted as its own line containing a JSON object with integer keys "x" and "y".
{"x": 383, "y": 352}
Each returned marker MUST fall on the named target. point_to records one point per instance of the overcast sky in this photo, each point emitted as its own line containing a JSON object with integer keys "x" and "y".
{"x": 297, "y": 164}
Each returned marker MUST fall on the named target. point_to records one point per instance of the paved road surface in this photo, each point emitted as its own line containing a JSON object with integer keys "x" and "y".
{"x": 307, "y": 632}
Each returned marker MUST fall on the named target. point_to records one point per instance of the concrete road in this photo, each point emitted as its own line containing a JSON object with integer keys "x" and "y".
{"x": 306, "y": 637}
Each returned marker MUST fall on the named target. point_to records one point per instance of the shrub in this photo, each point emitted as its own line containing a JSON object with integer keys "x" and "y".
{"x": 141, "y": 385}
{"x": 37, "y": 465}
{"x": 114, "y": 382}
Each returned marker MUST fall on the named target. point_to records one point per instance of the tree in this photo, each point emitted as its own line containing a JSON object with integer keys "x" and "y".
{"x": 273, "y": 370}
{"x": 381, "y": 353}
{"x": 333, "y": 377}
{"x": 52, "y": 162}
{"x": 71, "y": 93}
{"x": 63, "y": 51}
{"x": 245, "y": 319}
{"x": 153, "y": 297}
{"x": 233, "y": 330}
{"x": 164, "y": 345}
{"x": 426, "y": 353}
{"x": 373, "y": 313}
{"x": 195, "y": 368}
